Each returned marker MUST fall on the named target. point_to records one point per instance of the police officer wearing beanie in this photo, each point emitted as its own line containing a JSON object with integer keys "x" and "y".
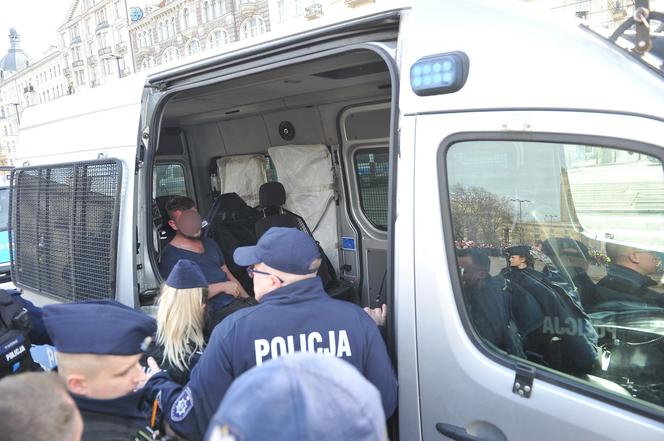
{"x": 98, "y": 347}
{"x": 294, "y": 314}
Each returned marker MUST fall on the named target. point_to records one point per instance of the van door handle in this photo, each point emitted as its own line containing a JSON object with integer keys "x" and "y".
{"x": 457, "y": 433}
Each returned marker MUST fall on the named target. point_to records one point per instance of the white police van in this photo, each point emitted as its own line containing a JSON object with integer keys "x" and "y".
{"x": 399, "y": 137}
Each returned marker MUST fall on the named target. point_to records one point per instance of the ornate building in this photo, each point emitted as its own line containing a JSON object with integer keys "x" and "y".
{"x": 175, "y": 29}
{"x": 93, "y": 41}
{"x": 25, "y": 83}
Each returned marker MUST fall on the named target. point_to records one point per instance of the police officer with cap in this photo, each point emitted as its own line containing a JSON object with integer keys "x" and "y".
{"x": 294, "y": 314}
{"x": 98, "y": 348}
{"x": 318, "y": 398}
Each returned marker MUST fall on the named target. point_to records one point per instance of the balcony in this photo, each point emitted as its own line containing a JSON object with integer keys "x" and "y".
{"x": 105, "y": 51}
{"x": 353, "y": 3}
{"x": 248, "y": 7}
{"x": 102, "y": 25}
{"x": 121, "y": 47}
{"x": 75, "y": 40}
{"x": 92, "y": 60}
{"x": 312, "y": 11}
{"x": 77, "y": 63}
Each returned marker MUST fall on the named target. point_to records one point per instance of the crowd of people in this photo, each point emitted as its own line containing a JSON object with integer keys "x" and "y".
{"x": 216, "y": 364}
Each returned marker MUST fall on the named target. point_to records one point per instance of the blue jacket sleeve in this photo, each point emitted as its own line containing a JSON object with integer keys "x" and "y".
{"x": 378, "y": 367}
{"x": 189, "y": 409}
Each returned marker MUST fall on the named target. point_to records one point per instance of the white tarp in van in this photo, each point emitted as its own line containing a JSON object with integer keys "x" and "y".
{"x": 242, "y": 174}
{"x": 307, "y": 175}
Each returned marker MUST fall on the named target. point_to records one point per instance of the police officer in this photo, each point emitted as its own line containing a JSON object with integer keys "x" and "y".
{"x": 318, "y": 398}
{"x": 294, "y": 314}
{"x": 555, "y": 329}
{"x": 98, "y": 348}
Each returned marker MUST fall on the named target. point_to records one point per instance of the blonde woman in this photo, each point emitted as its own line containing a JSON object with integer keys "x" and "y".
{"x": 180, "y": 337}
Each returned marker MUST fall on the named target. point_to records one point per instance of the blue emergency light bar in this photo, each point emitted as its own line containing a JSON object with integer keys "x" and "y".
{"x": 439, "y": 74}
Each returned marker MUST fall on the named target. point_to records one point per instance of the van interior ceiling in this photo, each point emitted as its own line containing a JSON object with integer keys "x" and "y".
{"x": 321, "y": 129}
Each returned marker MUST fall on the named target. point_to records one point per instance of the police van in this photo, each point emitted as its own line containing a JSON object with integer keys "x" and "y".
{"x": 400, "y": 139}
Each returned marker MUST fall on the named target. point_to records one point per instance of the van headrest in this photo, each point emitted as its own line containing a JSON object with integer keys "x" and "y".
{"x": 272, "y": 194}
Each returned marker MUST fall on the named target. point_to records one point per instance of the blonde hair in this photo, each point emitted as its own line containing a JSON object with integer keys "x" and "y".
{"x": 180, "y": 323}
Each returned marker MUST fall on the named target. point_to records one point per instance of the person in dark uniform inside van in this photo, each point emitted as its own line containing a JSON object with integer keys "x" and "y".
{"x": 294, "y": 314}
{"x": 627, "y": 283}
{"x": 570, "y": 259}
{"x": 98, "y": 347}
{"x": 485, "y": 299}
{"x": 555, "y": 329}
{"x": 190, "y": 244}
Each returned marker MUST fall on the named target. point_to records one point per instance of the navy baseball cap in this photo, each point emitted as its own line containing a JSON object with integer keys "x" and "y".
{"x": 304, "y": 397}
{"x": 285, "y": 249}
{"x": 186, "y": 274}
{"x": 102, "y": 327}
{"x": 518, "y": 250}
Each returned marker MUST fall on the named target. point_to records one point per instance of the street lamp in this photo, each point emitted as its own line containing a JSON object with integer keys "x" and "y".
{"x": 117, "y": 59}
{"x": 521, "y": 202}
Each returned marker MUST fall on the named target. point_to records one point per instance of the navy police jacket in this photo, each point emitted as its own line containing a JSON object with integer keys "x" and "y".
{"x": 297, "y": 317}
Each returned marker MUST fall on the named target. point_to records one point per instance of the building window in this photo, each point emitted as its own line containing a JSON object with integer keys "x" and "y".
{"x": 170, "y": 54}
{"x": 171, "y": 27}
{"x": 218, "y": 8}
{"x": 207, "y": 11}
{"x": 252, "y": 27}
{"x": 86, "y": 26}
{"x": 101, "y": 16}
{"x": 117, "y": 9}
{"x": 186, "y": 18}
{"x": 299, "y": 10}
{"x": 79, "y": 75}
{"x": 193, "y": 47}
{"x": 281, "y": 10}
{"x": 102, "y": 39}
{"x": 217, "y": 38}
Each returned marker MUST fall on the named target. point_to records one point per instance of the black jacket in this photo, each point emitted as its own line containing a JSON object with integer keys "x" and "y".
{"x": 118, "y": 419}
{"x": 623, "y": 288}
{"x": 555, "y": 330}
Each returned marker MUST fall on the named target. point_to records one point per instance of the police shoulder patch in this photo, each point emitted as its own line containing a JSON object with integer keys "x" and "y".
{"x": 183, "y": 405}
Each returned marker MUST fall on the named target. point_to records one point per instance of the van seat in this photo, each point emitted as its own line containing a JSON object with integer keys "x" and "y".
{"x": 231, "y": 224}
{"x": 272, "y": 197}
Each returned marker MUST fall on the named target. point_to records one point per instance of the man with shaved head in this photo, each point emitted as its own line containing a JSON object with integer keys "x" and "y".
{"x": 628, "y": 282}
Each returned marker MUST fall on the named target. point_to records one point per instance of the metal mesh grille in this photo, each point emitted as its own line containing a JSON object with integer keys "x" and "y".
{"x": 63, "y": 222}
{"x": 372, "y": 167}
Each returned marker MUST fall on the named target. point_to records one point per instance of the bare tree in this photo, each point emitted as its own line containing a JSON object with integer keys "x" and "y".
{"x": 478, "y": 214}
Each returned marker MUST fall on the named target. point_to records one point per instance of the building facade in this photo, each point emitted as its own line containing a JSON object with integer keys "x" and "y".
{"x": 94, "y": 43}
{"x": 286, "y": 14}
{"x": 175, "y": 29}
{"x": 25, "y": 83}
{"x": 604, "y": 13}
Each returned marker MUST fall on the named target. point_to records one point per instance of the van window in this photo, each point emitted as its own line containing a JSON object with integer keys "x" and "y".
{"x": 371, "y": 170}
{"x": 559, "y": 252}
{"x": 169, "y": 180}
{"x": 64, "y": 221}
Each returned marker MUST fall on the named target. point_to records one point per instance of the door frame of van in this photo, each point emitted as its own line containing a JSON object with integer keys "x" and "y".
{"x": 169, "y": 87}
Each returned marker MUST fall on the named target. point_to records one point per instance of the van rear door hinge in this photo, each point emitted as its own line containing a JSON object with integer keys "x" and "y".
{"x": 523, "y": 380}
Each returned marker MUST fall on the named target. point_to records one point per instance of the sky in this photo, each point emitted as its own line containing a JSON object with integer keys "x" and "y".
{"x": 36, "y": 21}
